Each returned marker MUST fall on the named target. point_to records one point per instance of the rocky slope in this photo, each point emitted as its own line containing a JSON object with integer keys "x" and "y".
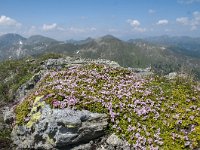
{"x": 86, "y": 104}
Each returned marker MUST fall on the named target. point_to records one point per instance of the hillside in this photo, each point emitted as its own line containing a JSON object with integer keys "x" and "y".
{"x": 10, "y": 40}
{"x": 14, "y": 46}
{"x": 11, "y": 44}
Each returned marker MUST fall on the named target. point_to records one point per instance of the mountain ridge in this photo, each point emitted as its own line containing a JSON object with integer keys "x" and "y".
{"x": 39, "y": 39}
{"x": 132, "y": 53}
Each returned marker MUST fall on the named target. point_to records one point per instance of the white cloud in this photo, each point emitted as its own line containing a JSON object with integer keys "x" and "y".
{"x": 54, "y": 28}
{"x": 194, "y": 22}
{"x": 183, "y": 20}
{"x": 136, "y": 25}
{"x": 162, "y": 22}
{"x": 188, "y": 1}
{"x": 133, "y": 23}
{"x": 49, "y": 27}
{"x": 151, "y": 11}
{"x": 7, "y": 21}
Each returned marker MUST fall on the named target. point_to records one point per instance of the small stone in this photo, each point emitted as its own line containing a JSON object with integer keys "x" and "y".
{"x": 172, "y": 75}
{"x": 187, "y": 143}
{"x": 114, "y": 140}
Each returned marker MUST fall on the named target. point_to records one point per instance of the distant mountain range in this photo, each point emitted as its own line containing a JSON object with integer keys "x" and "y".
{"x": 164, "y": 53}
{"x": 184, "y": 44}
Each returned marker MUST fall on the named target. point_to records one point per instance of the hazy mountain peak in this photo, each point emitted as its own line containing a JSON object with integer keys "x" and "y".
{"x": 11, "y": 36}
{"x": 108, "y": 36}
{"x": 85, "y": 41}
{"x": 10, "y": 39}
{"x": 39, "y": 39}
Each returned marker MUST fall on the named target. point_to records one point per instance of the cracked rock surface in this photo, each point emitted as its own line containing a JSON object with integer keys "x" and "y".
{"x": 59, "y": 128}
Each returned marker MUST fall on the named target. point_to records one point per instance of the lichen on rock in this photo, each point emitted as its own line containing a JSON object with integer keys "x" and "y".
{"x": 35, "y": 113}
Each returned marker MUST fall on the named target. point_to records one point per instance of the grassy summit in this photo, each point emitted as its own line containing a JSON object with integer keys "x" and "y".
{"x": 148, "y": 112}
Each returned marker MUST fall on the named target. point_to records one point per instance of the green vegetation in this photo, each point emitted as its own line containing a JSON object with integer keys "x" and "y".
{"x": 13, "y": 73}
{"x": 148, "y": 112}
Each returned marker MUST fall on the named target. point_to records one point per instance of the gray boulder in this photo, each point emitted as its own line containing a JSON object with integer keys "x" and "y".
{"x": 113, "y": 142}
{"x": 59, "y": 128}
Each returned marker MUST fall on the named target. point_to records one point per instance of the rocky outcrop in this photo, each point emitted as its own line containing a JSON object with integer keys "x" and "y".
{"x": 56, "y": 64}
{"x": 46, "y": 127}
{"x": 25, "y": 88}
{"x": 57, "y": 128}
{"x": 70, "y": 61}
{"x": 49, "y": 128}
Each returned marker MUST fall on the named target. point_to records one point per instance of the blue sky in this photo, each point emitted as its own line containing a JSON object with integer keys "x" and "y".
{"x": 78, "y": 19}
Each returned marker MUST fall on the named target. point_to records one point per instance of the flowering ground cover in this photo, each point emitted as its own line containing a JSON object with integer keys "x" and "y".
{"x": 148, "y": 112}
